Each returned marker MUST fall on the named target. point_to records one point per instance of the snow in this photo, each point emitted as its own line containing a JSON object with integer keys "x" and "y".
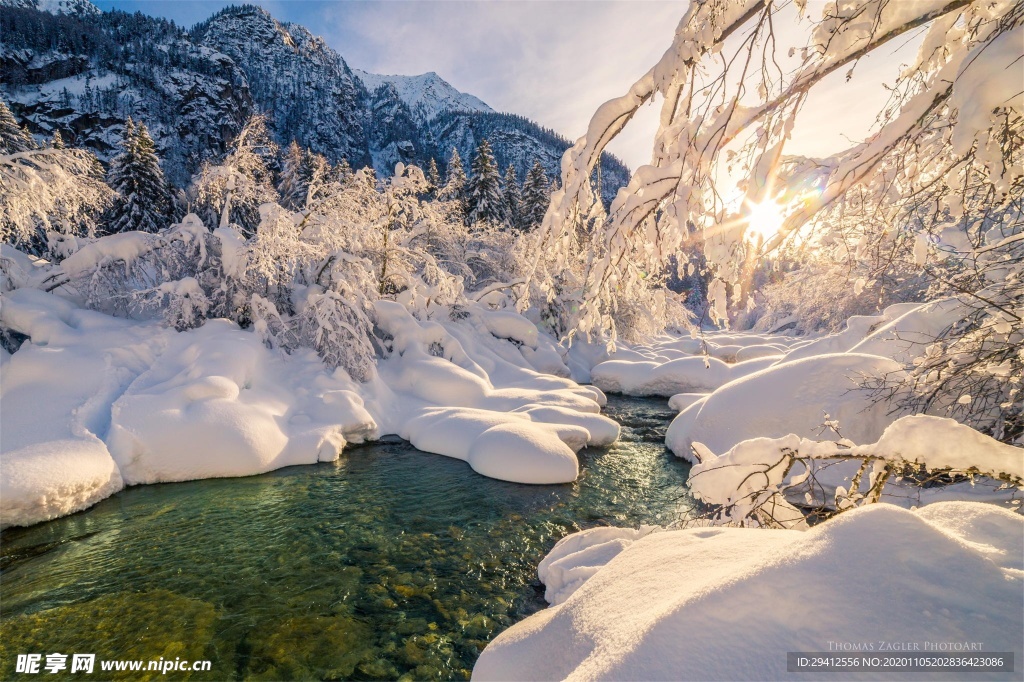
{"x": 218, "y": 403}
{"x": 427, "y": 94}
{"x": 754, "y": 470}
{"x": 727, "y": 603}
{"x": 941, "y": 443}
{"x": 906, "y": 336}
{"x": 676, "y": 365}
{"x": 988, "y": 80}
{"x": 508, "y": 446}
{"x": 792, "y": 397}
{"x": 507, "y": 325}
{"x": 681, "y": 401}
{"x": 577, "y": 557}
{"x": 92, "y": 402}
{"x": 651, "y": 378}
{"x": 524, "y": 454}
{"x": 53, "y": 389}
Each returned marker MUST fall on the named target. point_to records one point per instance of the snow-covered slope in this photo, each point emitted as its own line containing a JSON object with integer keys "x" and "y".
{"x": 427, "y": 94}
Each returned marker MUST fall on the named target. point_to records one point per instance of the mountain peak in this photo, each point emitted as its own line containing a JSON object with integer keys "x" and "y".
{"x": 427, "y": 94}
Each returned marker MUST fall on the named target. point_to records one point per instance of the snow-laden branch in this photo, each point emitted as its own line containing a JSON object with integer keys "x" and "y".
{"x": 48, "y": 188}
{"x": 722, "y": 53}
{"x": 758, "y": 480}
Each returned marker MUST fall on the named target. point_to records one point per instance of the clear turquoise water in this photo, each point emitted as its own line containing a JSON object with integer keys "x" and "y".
{"x": 389, "y": 563}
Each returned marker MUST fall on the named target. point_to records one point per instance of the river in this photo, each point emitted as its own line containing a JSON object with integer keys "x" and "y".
{"x": 388, "y": 563}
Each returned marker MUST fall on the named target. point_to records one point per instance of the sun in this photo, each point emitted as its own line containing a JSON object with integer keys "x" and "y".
{"x": 765, "y": 219}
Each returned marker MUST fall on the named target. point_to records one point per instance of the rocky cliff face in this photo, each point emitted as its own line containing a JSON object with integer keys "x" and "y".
{"x": 84, "y": 74}
{"x": 66, "y": 66}
{"x": 305, "y": 88}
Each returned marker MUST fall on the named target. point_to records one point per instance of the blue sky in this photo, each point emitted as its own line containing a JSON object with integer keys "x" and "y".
{"x": 554, "y": 62}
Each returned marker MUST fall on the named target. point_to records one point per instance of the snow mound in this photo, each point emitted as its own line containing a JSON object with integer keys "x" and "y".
{"x": 46, "y": 480}
{"x": 92, "y": 402}
{"x": 691, "y": 374}
{"x": 707, "y": 604}
{"x": 523, "y": 453}
{"x": 218, "y": 403}
{"x": 792, "y": 397}
{"x": 54, "y": 393}
{"x": 906, "y": 337}
{"x": 681, "y": 401}
{"x": 529, "y": 447}
{"x": 600, "y": 429}
{"x": 577, "y": 557}
{"x": 941, "y": 443}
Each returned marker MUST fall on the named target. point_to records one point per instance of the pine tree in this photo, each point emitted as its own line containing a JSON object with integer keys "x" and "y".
{"x": 144, "y": 199}
{"x": 433, "y": 176}
{"x": 13, "y": 138}
{"x": 57, "y": 141}
{"x": 314, "y": 173}
{"x": 512, "y": 195}
{"x": 484, "y": 201}
{"x": 535, "y": 198}
{"x": 455, "y": 180}
{"x": 341, "y": 172}
{"x": 291, "y": 186}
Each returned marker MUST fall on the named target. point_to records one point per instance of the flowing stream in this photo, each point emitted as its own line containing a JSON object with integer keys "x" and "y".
{"x": 388, "y": 563}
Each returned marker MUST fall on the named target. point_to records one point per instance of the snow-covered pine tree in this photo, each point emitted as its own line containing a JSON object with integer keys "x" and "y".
{"x": 293, "y": 194}
{"x": 455, "y": 179}
{"x": 340, "y": 173}
{"x": 512, "y": 196}
{"x": 144, "y": 200}
{"x": 433, "y": 176}
{"x": 484, "y": 202}
{"x": 13, "y": 138}
{"x": 534, "y": 202}
{"x": 57, "y": 141}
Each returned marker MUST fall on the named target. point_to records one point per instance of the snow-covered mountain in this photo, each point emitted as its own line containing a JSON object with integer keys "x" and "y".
{"x": 303, "y": 86}
{"x": 76, "y": 7}
{"x": 83, "y": 72}
{"x": 427, "y": 95}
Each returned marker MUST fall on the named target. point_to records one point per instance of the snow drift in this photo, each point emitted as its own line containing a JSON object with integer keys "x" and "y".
{"x": 794, "y": 397}
{"x": 728, "y": 603}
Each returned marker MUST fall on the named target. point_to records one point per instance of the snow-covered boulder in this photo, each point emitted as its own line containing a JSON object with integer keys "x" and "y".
{"x": 681, "y": 401}
{"x": 577, "y": 557}
{"x": 728, "y": 603}
{"x": 690, "y": 374}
